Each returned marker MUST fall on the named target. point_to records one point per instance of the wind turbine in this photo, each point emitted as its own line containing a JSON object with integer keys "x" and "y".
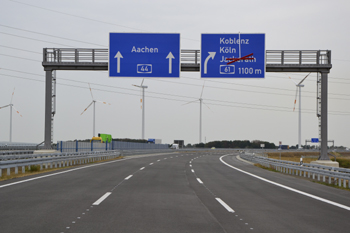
{"x": 298, "y": 88}
{"x": 11, "y": 106}
{"x": 93, "y": 102}
{"x": 143, "y": 107}
{"x": 200, "y": 113}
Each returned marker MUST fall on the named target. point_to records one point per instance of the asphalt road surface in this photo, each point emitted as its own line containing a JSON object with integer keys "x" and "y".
{"x": 209, "y": 191}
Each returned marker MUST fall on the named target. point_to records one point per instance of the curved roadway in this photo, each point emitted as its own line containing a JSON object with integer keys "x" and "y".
{"x": 209, "y": 191}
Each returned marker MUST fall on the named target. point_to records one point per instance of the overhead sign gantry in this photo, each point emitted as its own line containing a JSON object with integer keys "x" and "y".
{"x": 276, "y": 61}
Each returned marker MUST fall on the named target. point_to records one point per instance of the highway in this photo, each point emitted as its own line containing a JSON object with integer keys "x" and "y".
{"x": 208, "y": 191}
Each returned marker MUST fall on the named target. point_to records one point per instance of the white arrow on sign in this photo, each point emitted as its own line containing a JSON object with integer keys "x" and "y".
{"x": 118, "y": 56}
{"x": 170, "y": 57}
{"x": 211, "y": 55}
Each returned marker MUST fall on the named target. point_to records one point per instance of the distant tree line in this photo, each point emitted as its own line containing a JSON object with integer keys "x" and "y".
{"x": 235, "y": 144}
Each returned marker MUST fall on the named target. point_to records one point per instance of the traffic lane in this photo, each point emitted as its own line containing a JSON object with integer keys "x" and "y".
{"x": 54, "y": 200}
{"x": 266, "y": 206}
{"x": 226, "y": 217}
{"x": 299, "y": 183}
{"x": 156, "y": 199}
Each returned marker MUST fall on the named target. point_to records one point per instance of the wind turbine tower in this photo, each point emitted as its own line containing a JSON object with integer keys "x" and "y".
{"x": 298, "y": 88}
{"x": 11, "y": 106}
{"x": 93, "y": 103}
{"x": 143, "y": 107}
{"x": 200, "y": 113}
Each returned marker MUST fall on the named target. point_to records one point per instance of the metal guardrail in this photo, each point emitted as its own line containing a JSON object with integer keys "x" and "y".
{"x": 337, "y": 175}
{"x": 53, "y": 160}
{"x": 15, "y": 152}
{"x": 273, "y": 57}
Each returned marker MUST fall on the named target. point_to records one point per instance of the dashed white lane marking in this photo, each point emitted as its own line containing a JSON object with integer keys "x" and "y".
{"x": 190, "y": 165}
{"x": 142, "y": 168}
{"x": 199, "y": 181}
{"x": 158, "y": 160}
{"x": 192, "y": 170}
{"x": 228, "y": 208}
{"x": 128, "y": 177}
{"x": 151, "y": 164}
{"x": 101, "y": 199}
{"x": 286, "y": 187}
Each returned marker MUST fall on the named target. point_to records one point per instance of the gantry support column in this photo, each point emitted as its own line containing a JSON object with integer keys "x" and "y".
{"x": 324, "y": 116}
{"x": 48, "y": 108}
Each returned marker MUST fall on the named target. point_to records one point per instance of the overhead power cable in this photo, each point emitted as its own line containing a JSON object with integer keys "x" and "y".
{"x": 263, "y": 107}
{"x": 24, "y": 50}
{"x": 23, "y": 37}
{"x": 19, "y": 57}
{"x": 86, "y": 18}
{"x": 197, "y": 85}
{"x": 44, "y": 34}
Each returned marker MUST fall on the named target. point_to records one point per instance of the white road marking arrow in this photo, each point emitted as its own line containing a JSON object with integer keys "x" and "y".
{"x": 118, "y": 56}
{"x": 211, "y": 55}
{"x": 170, "y": 57}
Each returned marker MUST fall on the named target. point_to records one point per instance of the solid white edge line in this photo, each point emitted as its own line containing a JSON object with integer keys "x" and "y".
{"x": 102, "y": 198}
{"x": 200, "y": 181}
{"x": 228, "y": 208}
{"x": 286, "y": 187}
{"x": 128, "y": 177}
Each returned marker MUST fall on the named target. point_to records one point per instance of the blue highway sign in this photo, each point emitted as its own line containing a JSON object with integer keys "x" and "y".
{"x": 144, "y": 55}
{"x": 233, "y": 56}
{"x": 314, "y": 140}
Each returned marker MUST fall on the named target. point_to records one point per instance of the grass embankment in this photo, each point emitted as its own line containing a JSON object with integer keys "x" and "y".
{"x": 35, "y": 169}
{"x": 343, "y": 158}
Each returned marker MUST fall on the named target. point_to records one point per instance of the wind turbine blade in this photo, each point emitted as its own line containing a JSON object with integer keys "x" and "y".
{"x": 303, "y": 79}
{"x": 16, "y": 110}
{"x": 190, "y": 102}
{"x": 5, "y": 106}
{"x": 103, "y": 102}
{"x": 208, "y": 107}
{"x": 202, "y": 89}
{"x": 136, "y": 85}
{"x": 91, "y": 92}
{"x": 293, "y": 81}
{"x": 295, "y": 101}
{"x": 142, "y": 81}
{"x": 87, "y": 107}
{"x": 12, "y": 95}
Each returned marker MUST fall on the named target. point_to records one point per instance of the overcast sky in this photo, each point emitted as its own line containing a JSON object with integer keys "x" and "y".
{"x": 254, "y": 109}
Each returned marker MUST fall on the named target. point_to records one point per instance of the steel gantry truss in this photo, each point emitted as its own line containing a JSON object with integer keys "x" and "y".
{"x": 316, "y": 61}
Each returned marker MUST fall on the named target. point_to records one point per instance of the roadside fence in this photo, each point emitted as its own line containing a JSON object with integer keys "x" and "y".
{"x": 76, "y": 146}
